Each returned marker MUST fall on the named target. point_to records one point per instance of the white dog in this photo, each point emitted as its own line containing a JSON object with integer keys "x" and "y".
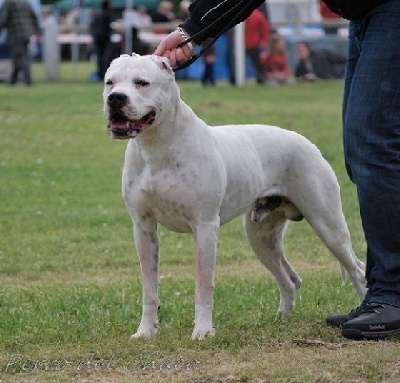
{"x": 190, "y": 177}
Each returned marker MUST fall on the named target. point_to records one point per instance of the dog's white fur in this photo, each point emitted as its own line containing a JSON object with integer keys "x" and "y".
{"x": 190, "y": 177}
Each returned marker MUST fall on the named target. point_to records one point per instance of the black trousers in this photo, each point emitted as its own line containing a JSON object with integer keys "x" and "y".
{"x": 20, "y": 63}
{"x": 254, "y": 54}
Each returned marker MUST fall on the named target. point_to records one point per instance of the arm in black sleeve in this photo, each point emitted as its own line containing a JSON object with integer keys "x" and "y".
{"x": 203, "y": 13}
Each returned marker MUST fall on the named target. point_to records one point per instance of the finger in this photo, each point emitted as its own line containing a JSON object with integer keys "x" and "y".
{"x": 187, "y": 51}
{"x": 172, "y": 59}
{"x": 180, "y": 55}
{"x": 160, "y": 50}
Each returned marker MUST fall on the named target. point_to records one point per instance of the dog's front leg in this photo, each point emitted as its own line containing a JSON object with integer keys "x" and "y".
{"x": 206, "y": 237}
{"x": 147, "y": 247}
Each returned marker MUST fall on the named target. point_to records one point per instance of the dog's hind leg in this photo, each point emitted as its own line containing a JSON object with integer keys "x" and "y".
{"x": 317, "y": 196}
{"x": 333, "y": 231}
{"x": 266, "y": 240}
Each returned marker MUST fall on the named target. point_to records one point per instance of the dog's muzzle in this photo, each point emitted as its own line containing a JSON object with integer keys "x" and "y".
{"x": 120, "y": 126}
{"x": 116, "y": 101}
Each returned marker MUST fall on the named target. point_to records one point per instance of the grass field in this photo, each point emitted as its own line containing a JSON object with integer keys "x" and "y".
{"x": 70, "y": 291}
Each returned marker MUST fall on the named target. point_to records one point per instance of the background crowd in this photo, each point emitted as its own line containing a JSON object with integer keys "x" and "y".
{"x": 265, "y": 48}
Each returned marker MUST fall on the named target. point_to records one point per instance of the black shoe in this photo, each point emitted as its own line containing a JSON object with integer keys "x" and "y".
{"x": 338, "y": 320}
{"x": 376, "y": 321}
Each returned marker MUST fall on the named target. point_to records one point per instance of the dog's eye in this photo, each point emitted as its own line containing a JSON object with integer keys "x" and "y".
{"x": 109, "y": 82}
{"x": 141, "y": 83}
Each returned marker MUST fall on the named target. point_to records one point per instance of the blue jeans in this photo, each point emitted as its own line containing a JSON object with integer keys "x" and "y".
{"x": 371, "y": 120}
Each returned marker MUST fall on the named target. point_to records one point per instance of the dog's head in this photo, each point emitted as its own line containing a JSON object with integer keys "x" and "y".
{"x": 135, "y": 92}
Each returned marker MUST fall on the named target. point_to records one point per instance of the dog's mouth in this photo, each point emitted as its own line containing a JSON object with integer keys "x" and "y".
{"x": 121, "y": 127}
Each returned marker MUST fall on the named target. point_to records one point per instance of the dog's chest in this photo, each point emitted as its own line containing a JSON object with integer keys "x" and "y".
{"x": 166, "y": 192}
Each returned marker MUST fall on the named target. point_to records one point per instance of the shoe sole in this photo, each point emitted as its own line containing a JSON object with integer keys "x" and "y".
{"x": 338, "y": 324}
{"x": 335, "y": 325}
{"x": 369, "y": 335}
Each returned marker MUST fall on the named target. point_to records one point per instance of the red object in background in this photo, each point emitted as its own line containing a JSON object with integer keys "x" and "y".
{"x": 257, "y": 30}
{"x": 326, "y": 13}
{"x": 275, "y": 63}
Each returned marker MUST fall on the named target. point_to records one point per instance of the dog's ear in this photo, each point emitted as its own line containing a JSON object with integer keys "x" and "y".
{"x": 164, "y": 64}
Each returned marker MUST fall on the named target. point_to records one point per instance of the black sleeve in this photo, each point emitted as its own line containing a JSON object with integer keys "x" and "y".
{"x": 353, "y": 9}
{"x": 210, "y": 17}
{"x": 300, "y": 70}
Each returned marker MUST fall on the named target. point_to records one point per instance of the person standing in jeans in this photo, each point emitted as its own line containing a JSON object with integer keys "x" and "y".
{"x": 21, "y": 23}
{"x": 371, "y": 120}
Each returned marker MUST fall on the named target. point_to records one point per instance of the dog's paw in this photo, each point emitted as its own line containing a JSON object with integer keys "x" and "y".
{"x": 201, "y": 334}
{"x": 284, "y": 310}
{"x": 145, "y": 332}
{"x": 280, "y": 316}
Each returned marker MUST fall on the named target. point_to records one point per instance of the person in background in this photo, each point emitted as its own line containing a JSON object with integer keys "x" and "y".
{"x": 322, "y": 64}
{"x": 257, "y": 32}
{"x": 135, "y": 19}
{"x": 371, "y": 137}
{"x": 100, "y": 28}
{"x": 138, "y": 17}
{"x": 275, "y": 61}
{"x": 164, "y": 13}
{"x": 208, "y": 77}
{"x": 229, "y": 56}
{"x": 21, "y": 22}
{"x": 183, "y": 13}
{"x": 328, "y": 15}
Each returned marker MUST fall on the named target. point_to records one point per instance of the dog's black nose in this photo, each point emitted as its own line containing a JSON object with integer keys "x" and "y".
{"x": 117, "y": 100}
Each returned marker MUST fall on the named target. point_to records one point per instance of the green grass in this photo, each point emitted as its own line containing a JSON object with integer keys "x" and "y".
{"x": 70, "y": 290}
